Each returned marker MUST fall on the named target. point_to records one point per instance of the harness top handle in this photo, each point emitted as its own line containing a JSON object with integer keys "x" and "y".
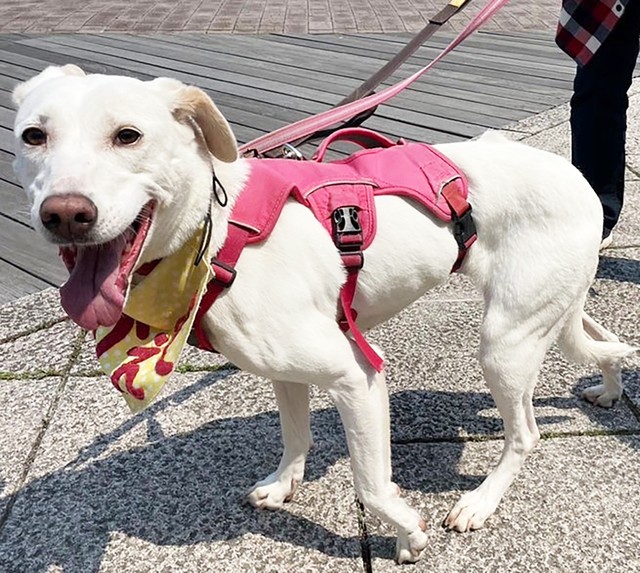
{"x": 365, "y": 138}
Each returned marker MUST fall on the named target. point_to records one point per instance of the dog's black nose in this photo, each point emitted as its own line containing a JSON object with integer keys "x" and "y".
{"x": 69, "y": 216}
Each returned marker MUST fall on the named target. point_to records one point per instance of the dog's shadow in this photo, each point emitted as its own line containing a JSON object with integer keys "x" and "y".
{"x": 619, "y": 269}
{"x": 187, "y": 489}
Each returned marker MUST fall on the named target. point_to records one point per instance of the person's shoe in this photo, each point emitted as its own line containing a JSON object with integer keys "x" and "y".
{"x": 607, "y": 239}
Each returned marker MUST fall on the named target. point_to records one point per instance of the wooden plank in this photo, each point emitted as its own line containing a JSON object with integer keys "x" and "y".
{"x": 484, "y": 42}
{"x": 351, "y": 72}
{"x": 473, "y": 112}
{"x": 7, "y": 115}
{"x": 448, "y": 95}
{"x": 244, "y": 119}
{"x": 34, "y": 61}
{"x": 6, "y": 138}
{"x": 17, "y": 282}
{"x": 13, "y": 200}
{"x": 316, "y": 61}
{"x": 7, "y": 83}
{"x": 476, "y": 59}
{"x": 280, "y": 105}
{"x": 444, "y": 103}
{"x": 20, "y": 247}
{"x": 469, "y": 60}
{"x": 439, "y": 96}
{"x": 297, "y": 57}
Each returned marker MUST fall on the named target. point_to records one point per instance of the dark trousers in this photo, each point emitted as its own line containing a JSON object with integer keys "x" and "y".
{"x": 599, "y": 113}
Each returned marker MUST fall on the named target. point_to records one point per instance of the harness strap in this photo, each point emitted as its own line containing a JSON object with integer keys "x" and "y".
{"x": 225, "y": 273}
{"x": 464, "y": 228}
{"x": 349, "y": 239}
{"x": 348, "y": 323}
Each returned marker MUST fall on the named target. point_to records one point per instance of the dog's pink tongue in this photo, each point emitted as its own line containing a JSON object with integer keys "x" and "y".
{"x": 91, "y": 297}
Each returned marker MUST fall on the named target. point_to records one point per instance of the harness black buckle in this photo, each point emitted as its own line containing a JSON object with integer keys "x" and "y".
{"x": 346, "y": 221}
{"x": 464, "y": 229}
{"x": 347, "y": 236}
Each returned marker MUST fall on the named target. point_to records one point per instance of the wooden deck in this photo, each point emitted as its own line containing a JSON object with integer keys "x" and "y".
{"x": 263, "y": 82}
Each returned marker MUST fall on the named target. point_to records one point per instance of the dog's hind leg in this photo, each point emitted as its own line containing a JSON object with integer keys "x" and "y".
{"x": 362, "y": 401}
{"x": 510, "y": 370}
{"x": 279, "y": 487}
{"x": 584, "y": 340}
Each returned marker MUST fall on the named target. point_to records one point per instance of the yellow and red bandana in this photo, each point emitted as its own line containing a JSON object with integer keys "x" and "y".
{"x": 140, "y": 351}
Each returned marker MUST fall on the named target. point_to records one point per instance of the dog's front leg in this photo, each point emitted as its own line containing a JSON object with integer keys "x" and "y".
{"x": 279, "y": 487}
{"x": 362, "y": 400}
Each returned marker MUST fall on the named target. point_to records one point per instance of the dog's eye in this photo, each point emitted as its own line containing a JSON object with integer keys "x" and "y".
{"x": 34, "y": 136}
{"x": 128, "y": 136}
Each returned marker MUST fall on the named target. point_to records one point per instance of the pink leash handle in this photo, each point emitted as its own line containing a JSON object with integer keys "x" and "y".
{"x": 323, "y": 120}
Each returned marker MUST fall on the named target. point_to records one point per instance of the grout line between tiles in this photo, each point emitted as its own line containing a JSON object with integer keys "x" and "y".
{"x": 46, "y": 421}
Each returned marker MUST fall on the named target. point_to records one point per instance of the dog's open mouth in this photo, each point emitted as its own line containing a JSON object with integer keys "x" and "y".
{"x": 95, "y": 293}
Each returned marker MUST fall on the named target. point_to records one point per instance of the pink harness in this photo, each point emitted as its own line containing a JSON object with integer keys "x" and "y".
{"x": 341, "y": 196}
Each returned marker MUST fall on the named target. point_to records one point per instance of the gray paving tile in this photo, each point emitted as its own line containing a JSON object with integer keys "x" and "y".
{"x": 619, "y": 267}
{"x": 565, "y": 512}
{"x": 535, "y": 124}
{"x": 458, "y": 287}
{"x": 556, "y": 139}
{"x": 437, "y": 389}
{"x": 550, "y": 130}
{"x": 163, "y": 490}
{"x": 615, "y": 293}
{"x": 627, "y": 231}
{"x": 30, "y": 313}
{"x": 45, "y": 351}
{"x": 25, "y": 404}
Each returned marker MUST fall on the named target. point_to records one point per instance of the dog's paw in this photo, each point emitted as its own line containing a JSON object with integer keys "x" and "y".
{"x": 272, "y": 493}
{"x": 470, "y": 512}
{"x": 409, "y": 547}
{"x": 599, "y": 397}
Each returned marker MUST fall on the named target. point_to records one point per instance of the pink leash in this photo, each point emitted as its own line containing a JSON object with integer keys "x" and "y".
{"x": 333, "y": 116}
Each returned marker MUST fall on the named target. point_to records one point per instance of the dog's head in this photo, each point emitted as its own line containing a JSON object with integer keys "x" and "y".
{"x": 119, "y": 172}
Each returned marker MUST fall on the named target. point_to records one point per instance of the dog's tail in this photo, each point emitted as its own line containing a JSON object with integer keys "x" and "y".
{"x": 584, "y": 340}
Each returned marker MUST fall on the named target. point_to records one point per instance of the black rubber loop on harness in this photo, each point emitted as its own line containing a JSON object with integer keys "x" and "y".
{"x": 221, "y": 198}
{"x": 206, "y": 237}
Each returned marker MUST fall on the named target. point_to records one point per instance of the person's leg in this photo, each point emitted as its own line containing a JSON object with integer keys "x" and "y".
{"x": 599, "y": 113}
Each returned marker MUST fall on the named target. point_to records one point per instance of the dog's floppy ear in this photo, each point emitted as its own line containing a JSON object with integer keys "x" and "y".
{"x": 215, "y": 128}
{"x": 193, "y": 103}
{"x": 22, "y": 90}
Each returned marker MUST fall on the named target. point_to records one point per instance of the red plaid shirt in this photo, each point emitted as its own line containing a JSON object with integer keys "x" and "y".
{"x": 584, "y": 25}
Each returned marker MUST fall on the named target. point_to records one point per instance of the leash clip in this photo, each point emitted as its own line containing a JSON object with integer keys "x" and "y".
{"x": 290, "y": 152}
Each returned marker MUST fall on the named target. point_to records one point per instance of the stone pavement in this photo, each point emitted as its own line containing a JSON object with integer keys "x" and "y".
{"x": 87, "y": 487}
{"x": 258, "y": 16}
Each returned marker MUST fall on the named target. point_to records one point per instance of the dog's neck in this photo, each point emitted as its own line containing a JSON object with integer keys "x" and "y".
{"x": 170, "y": 233}
{"x": 232, "y": 178}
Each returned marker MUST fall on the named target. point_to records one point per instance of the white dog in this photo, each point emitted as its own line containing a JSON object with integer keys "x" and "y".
{"x": 102, "y": 148}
